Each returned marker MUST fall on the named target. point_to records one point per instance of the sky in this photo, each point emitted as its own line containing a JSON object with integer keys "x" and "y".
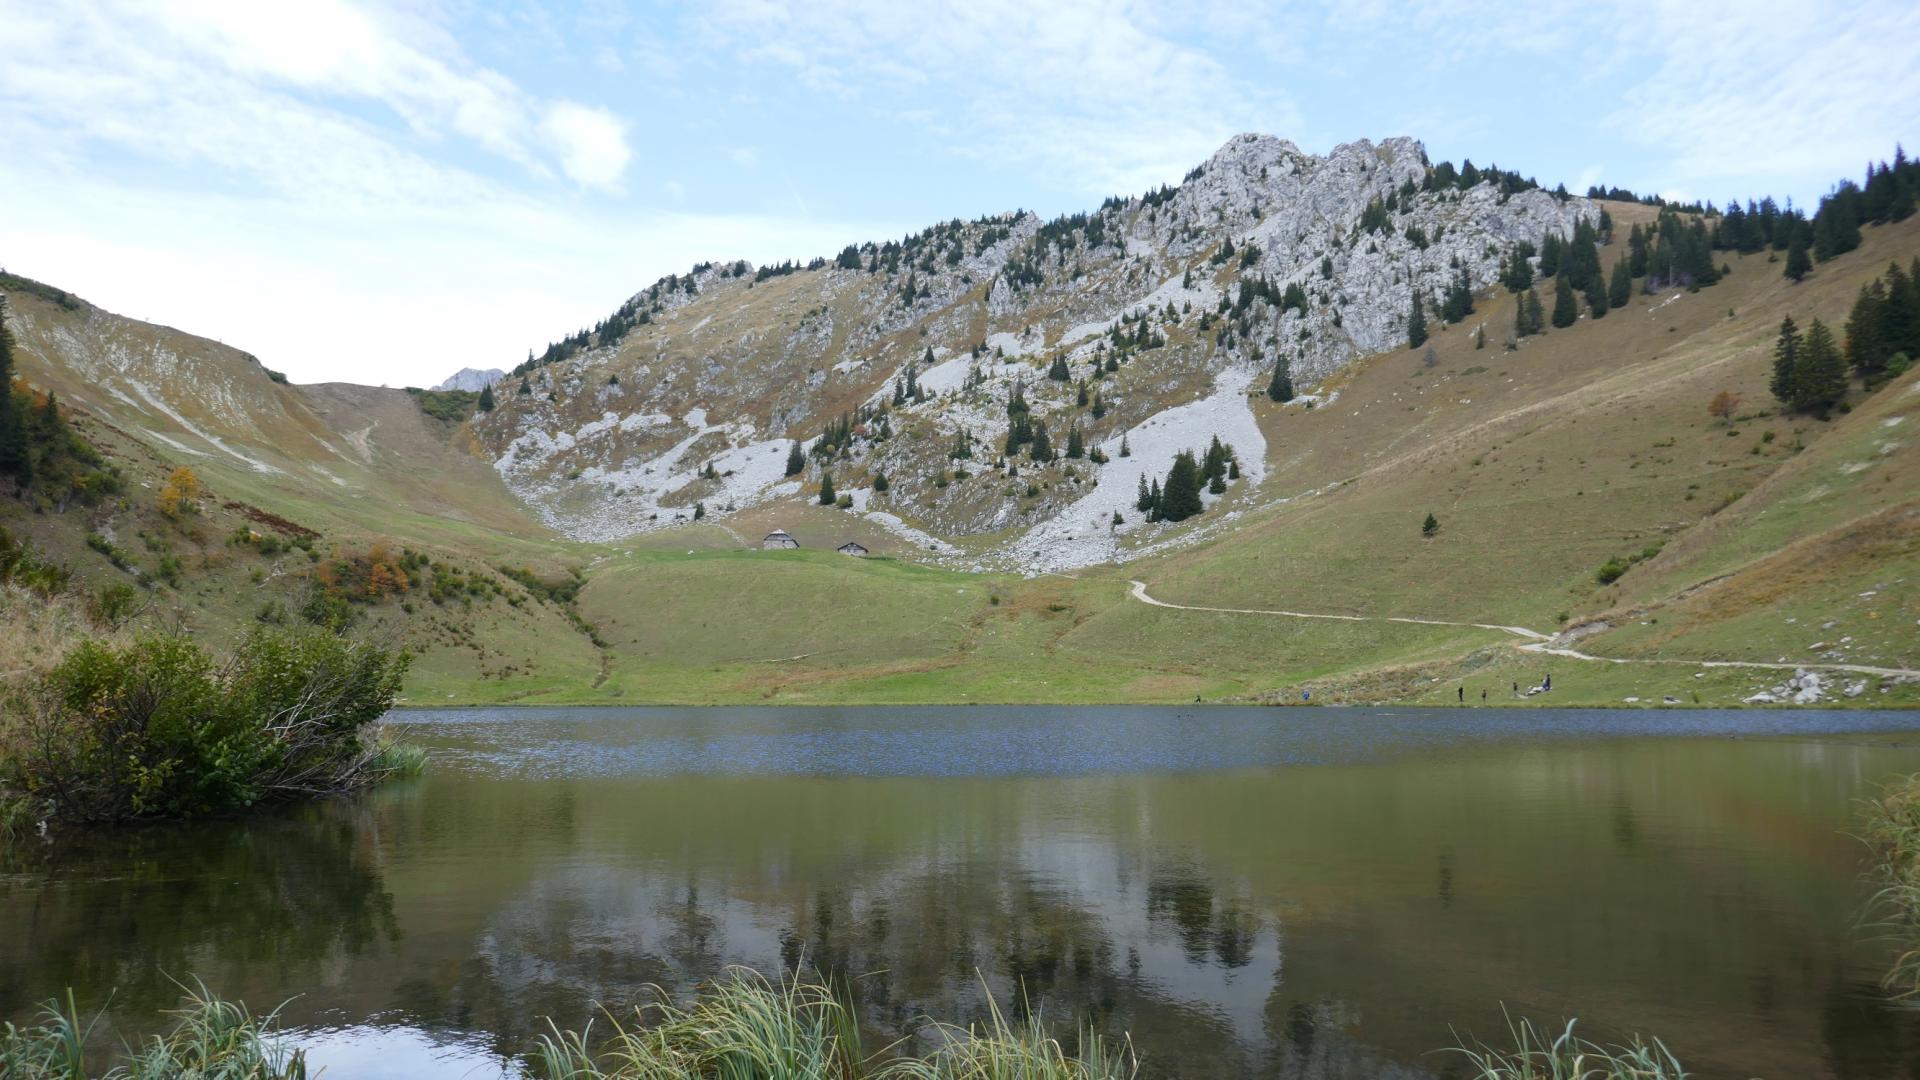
{"x": 385, "y": 191}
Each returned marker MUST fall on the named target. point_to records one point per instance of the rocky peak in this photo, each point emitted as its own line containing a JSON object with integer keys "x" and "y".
{"x": 472, "y": 380}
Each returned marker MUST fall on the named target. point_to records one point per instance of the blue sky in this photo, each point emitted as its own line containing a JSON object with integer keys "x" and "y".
{"x": 385, "y": 192}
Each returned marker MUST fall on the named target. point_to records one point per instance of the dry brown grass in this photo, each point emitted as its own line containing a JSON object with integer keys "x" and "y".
{"x": 40, "y": 630}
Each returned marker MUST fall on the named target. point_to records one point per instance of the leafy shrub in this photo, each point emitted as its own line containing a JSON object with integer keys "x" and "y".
{"x": 1611, "y": 570}
{"x": 446, "y": 406}
{"x": 20, "y": 564}
{"x": 157, "y": 728}
{"x": 113, "y": 605}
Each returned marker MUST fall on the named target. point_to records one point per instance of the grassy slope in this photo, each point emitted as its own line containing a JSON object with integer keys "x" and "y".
{"x": 1540, "y": 464}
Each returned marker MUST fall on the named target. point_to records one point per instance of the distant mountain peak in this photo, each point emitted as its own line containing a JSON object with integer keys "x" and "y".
{"x": 471, "y": 379}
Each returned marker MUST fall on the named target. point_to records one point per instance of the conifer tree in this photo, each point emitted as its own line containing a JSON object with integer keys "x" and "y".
{"x": 1798, "y": 264}
{"x": 1620, "y": 286}
{"x": 525, "y": 386}
{"x": 1785, "y": 382}
{"x": 826, "y": 487}
{"x": 1430, "y": 526}
{"x": 1564, "y": 309}
{"x": 1459, "y": 301}
{"x": 1550, "y": 255}
{"x": 1416, "y": 324}
{"x": 1517, "y": 276}
{"x": 1076, "y": 448}
{"x": 1822, "y": 380}
{"x": 1597, "y": 302}
{"x": 796, "y": 459}
{"x": 50, "y": 429}
{"x": 1041, "y": 449}
{"x": 1536, "y": 312}
{"x": 1280, "y": 387}
{"x": 486, "y": 398}
{"x": 1180, "y": 498}
{"x": 1125, "y": 450}
{"x": 1867, "y": 344}
{"x": 1214, "y": 464}
{"x": 880, "y": 483}
{"x": 15, "y": 461}
{"x": 1636, "y": 252}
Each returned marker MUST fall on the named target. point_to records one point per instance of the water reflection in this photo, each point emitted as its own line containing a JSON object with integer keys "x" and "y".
{"x": 1329, "y": 920}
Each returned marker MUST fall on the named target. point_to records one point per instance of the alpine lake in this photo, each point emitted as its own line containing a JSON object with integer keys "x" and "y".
{"x": 1306, "y": 892}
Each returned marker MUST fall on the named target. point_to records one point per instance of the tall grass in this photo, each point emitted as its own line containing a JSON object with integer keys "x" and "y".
{"x": 745, "y": 1028}
{"x": 1024, "y": 1051}
{"x": 748, "y": 1028}
{"x": 211, "y": 1040}
{"x": 1893, "y": 832}
{"x": 1533, "y": 1055}
{"x": 392, "y": 760}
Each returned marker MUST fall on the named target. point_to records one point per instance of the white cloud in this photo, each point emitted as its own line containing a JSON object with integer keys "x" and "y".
{"x": 394, "y": 295}
{"x": 1102, "y": 96}
{"x": 1753, "y": 88}
{"x": 743, "y": 156}
{"x": 254, "y": 88}
{"x": 592, "y": 143}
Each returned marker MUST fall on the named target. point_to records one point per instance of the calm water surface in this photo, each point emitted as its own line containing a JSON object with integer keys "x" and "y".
{"x": 1281, "y": 893}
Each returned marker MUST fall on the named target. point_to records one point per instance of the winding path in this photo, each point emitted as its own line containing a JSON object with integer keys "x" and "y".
{"x": 1536, "y": 642}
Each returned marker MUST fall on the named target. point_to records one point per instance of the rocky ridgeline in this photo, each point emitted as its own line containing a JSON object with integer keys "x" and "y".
{"x": 688, "y": 405}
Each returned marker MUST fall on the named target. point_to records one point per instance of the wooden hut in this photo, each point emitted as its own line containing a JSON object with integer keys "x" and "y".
{"x": 777, "y": 539}
{"x": 854, "y": 548}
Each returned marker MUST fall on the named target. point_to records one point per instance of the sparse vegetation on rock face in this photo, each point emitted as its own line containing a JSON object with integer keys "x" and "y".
{"x": 1098, "y": 321}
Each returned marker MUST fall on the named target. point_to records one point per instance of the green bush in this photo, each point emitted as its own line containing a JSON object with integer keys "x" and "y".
{"x": 1611, "y": 570}
{"x": 22, "y": 565}
{"x": 157, "y": 728}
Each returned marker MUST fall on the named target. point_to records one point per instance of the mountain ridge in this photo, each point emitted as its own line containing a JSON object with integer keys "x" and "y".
{"x": 1552, "y": 463}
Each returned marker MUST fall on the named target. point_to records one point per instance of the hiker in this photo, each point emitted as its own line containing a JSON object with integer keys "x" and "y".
{"x": 1463, "y": 695}
{"x": 1516, "y": 688}
{"x": 1483, "y": 695}
{"x": 1547, "y": 683}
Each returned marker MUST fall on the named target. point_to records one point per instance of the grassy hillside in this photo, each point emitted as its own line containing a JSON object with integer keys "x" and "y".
{"x": 1754, "y": 540}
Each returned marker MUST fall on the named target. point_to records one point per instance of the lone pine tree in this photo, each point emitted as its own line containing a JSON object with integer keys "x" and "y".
{"x": 1280, "y": 387}
{"x": 1798, "y": 264}
{"x": 1565, "y": 311}
{"x": 1180, "y": 498}
{"x": 1822, "y": 380}
{"x": 14, "y": 458}
{"x": 1786, "y": 363}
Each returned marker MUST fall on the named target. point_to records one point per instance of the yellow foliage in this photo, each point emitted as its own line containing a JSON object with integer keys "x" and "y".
{"x": 181, "y": 494}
